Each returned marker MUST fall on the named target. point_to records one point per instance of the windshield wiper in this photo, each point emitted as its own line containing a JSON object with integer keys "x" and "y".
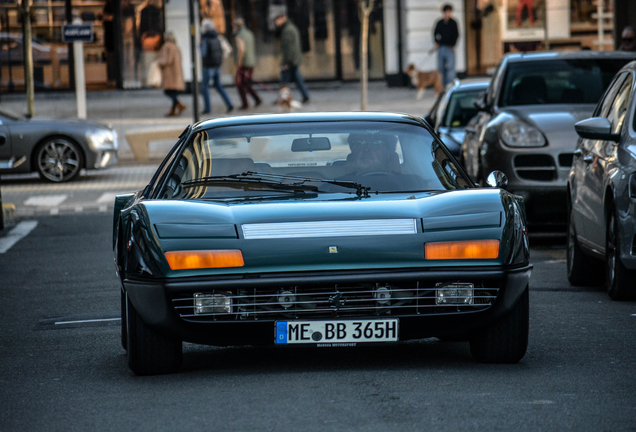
{"x": 246, "y": 181}
{"x": 274, "y": 181}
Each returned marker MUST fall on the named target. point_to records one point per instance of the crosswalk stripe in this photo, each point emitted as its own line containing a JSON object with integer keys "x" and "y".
{"x": 46, "y": 200}
{"x": 107, "y": 198}
{"x": 20, "y": 231}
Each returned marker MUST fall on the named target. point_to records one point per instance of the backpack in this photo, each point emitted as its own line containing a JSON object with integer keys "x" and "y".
{"x": 213, "y": 55}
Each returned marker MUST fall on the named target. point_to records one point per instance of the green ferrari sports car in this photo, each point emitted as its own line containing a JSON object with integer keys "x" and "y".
{"x": 323, "y": 230}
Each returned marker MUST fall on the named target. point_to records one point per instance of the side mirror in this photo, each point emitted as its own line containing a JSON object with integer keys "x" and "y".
{"x": 497, "y": 179}
{"x": 480, "y": 102}
{"x": 596, "y": 128}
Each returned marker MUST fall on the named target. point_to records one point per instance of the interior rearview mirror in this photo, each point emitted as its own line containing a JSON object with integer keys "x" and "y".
{"x": 311, "y": 144}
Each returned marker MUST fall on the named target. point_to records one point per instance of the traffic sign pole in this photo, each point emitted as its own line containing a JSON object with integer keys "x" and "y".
{"x": 79, "y": 33}
{"x": 80, "y": 79}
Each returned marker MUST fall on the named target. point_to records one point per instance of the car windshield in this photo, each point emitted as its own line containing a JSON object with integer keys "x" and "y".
{"x": 460, "y": 108}
{"x": 564, "y": 81}
{"x": 307, "y": 159}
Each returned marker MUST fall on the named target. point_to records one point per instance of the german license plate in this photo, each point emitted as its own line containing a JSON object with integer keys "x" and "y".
{"x": 336, "y": 333}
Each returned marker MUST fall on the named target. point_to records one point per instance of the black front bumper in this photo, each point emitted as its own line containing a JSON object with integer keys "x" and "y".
{"x": 153, "y": 300}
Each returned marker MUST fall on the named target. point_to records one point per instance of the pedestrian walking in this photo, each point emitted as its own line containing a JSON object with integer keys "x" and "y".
{"x": 445, "y": 35}
{"x": 245, "y": 57}
{"x": 292, "y": 55}
{"x": 628, "y": 39}
{"x": 171, "y": 72}
{"x": 211, "y": 61}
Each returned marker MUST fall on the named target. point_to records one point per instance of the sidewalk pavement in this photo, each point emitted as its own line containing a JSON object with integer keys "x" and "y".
{"x": 131, "y": 111}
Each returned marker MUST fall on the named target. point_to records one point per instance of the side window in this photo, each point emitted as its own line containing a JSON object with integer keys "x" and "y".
{"x": 603, "y": 108}
{"x": 618, "y": 109}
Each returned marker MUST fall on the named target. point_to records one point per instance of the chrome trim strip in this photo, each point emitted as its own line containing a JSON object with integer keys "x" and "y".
{"x": 342, "y": 228}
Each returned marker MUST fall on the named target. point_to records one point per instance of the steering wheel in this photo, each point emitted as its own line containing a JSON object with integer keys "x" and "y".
{"x": 371, "y": 173}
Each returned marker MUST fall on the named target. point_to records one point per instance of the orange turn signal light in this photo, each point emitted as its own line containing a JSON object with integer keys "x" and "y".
{"x": 189, "y": 260}
{"x": 471, "y": 249}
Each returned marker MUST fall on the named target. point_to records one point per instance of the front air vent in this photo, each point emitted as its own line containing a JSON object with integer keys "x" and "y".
{"x": 565, "y": 159}
{"x": 342, "y": 228}
{"x": 535, "y": 167}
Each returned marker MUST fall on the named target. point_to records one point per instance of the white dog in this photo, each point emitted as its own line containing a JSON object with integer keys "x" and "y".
{"x": 285, "y": 100}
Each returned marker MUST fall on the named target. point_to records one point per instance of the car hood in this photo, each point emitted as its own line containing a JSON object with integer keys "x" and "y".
{"x": 65, "y": 120}
{"x": 555, "y": 121}
{"x": 383, "y": 231}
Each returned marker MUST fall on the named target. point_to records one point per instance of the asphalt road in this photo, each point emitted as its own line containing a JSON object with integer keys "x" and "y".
{"x": 57, "y": 374}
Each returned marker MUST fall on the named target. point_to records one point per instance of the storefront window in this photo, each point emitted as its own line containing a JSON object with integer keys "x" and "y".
{"x": 350, "y": 41}
{"x": 50, "y": 56}
{"x": 142, "y": 25}
{"x": 315, "y": 21}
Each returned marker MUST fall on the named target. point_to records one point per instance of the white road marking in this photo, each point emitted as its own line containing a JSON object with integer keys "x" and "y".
{"x": 87, "y": 321}
{"x": 107, "y": 198}
{"x": 20, "y": 231}
{"x": 46, "y": 200}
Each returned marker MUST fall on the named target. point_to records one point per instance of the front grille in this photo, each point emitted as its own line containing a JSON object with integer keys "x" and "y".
{"x": 333, "y": 302}
{"x": 535, "y": 167}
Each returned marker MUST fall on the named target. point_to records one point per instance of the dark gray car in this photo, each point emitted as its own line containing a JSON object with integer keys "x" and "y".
{"x": 453, "y": 109}
{"x": 525, "y": 126}
{"x": 602, "y": 193}
{"x": 55, "y": 148}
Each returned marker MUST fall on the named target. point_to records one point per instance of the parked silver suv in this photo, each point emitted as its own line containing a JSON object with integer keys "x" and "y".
{"x": 525, "y": 126}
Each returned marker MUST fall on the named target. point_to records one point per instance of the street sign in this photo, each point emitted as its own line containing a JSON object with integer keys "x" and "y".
{"x": 77, "y": 33}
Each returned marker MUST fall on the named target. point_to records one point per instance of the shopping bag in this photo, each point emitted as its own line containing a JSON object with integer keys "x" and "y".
{"x": 154, "y": 74}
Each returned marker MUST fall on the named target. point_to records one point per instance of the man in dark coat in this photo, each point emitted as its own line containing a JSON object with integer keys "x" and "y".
{"x": 211, "y": 60}
{"x": 292, "y": 55}
{"x": 445, "y": 35}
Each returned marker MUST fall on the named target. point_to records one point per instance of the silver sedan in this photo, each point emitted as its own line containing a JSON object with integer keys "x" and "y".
{"x": 57, "y": 149}
{"x": 602, "y": 193}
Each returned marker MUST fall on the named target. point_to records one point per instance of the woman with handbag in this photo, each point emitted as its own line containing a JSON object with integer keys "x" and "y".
{"x": 171, "y": 73}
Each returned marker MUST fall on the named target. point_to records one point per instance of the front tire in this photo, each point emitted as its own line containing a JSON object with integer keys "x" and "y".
{"x": 149, "y": 353}
{"x": 582, "y": 270}
{"x": 506, "y": 340}
{"x": 619, "y": 281}
{"x": 58, "y": 160}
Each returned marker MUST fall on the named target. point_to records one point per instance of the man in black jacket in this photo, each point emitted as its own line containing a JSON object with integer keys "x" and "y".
{"x": 211, "y": 60}
{"x": 445, "y": 35}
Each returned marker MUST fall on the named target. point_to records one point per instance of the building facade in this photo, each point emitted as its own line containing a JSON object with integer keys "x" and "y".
{"x": 128, "y": 35}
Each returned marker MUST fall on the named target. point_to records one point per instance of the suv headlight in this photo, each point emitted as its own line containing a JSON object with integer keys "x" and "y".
{"x": 102, "y": 139}
{"x": 520, "y": 134}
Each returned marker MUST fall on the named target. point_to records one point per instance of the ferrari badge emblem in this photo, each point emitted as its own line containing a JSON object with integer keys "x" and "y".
{"x": 333, "y": 249}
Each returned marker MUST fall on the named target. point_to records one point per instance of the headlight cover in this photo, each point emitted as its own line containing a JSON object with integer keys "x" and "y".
{"x": 520, "y": 134}
{"x": 102, "y": 139}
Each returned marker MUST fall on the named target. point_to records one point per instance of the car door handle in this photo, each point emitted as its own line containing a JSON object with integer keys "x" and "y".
{"x": 588, "y": 159}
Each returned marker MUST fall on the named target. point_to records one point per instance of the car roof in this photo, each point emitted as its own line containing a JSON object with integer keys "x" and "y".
{"x": 471, "y": 84}
{"x": 307, "y": 117}
{"x": 576, "y": 55}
